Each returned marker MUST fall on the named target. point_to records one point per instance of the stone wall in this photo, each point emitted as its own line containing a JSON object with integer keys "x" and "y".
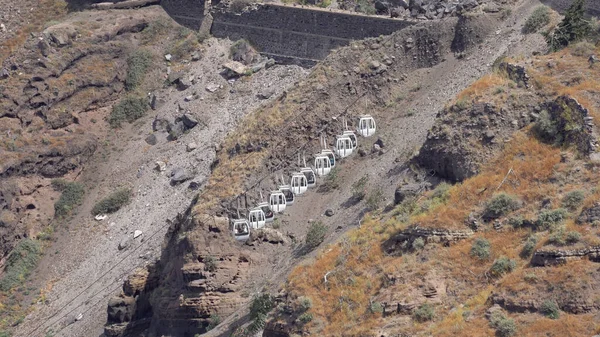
{"x": 300, "y": 33}
{"x": 562, "y": 5}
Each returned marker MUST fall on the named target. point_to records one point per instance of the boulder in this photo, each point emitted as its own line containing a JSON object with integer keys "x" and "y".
{"x": 44, "y": 47}
{"x": 234, "y": 69}
{"x": 406, "y": 191}
{"x": 329, "y": 212}
{"x": 183, "y": 84}
{"x": 179, "y": 175}
{"x": 61, "y": 34}
{"x": 137, "y": 234}
{"x": 191, "y": 147}
{"x": 161, "y": 166}
{"x": 176, "y": 130}
{"x": 125, "y": 243}
{"x": 151, "y": 139}
{"x": 121, "y": 309}
{"x": 189, "y": 120}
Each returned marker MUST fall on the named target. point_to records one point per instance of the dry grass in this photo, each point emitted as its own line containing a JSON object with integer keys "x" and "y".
{"x": 482, "y": 87}
{"x": 46, "y": 10}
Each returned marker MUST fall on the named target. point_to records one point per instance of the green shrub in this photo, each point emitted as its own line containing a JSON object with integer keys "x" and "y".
{"x": 359, "y": 188}
{"x": 505, "y": 327}
{"x": 19, "y": 264}
{"x": 210, "y": 264}
{"x": 573, "y": 27}
{"x": 214, "y": 321}
{"x": 316, "y": 235}
{"x": 261, "y": 305}
{"x": 573, "y": 237}
{"x": 305, "y": 303}
{"x": 375, "y": 199}
{"x": 4, "y": 333}
{"x": 545, "y": 128}
{"x": 138, "y": 64}
{"x": 418, "y": 244}
{"x": 113, "y": 202}
{"x": 548, "y": 219}
{"x": 550, "y": 309}
{"x": 573, "y": 199}
{"x": 128, "y": 109}
{"x": 538, "y": 19}
{"x": 481, "y": 249}
{"x": 582, "y": 49}
{"x": 500, "y": 205}
{"x": 71, "y": 196}
{"x": 376, "y": 308}
{"x": 423, "y": 313}
{"x": 305, "y": 317}
{"x": 558, "y": 237}
{"x": 441, "y": 193}
{"x": 155, "y": 29}
{"x": 529, "y": 246}
{"x": 331, "y": 182}
{"x": 516, "y": 221}
{"x": 502, "y": 265}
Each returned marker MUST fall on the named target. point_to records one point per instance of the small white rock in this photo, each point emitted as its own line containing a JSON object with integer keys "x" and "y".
{"x": 79, "y": 317}
{"x": 137, "y": 233}
{"x": 161, "y": 166}
{"x": 2, "y": 27}
{"x": 168, "y": 57}
{"x": 191, "y": 147}
{"x": 100, "y": 217}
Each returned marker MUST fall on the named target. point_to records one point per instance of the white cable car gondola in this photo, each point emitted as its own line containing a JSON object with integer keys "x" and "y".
{"x": 343, "y": 146}
{"x": 299, "y": 183}
{"x": 287, "y": 191}
{"x": 269, "y": 215}
{"x": 277, "y": 202}
{"x": 366, "y": 126}
{"x": 330, "y": 155}
{"x": 351, "y": 135}
{"x": 257, "y": 218}
{"x": 322, "y": 165}
{"x": 309, "y": 173}
{"x": 241, "y": 230}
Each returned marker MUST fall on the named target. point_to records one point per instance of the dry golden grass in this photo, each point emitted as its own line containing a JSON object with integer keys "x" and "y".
{"x": 565, "y": 326}
{"x": 531, "y": 162}
{"x": 482, "y": 87}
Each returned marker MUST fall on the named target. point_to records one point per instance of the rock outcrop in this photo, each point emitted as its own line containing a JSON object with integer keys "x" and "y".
{"x": 403, "y": 240}
{"x": 551, "y": 257}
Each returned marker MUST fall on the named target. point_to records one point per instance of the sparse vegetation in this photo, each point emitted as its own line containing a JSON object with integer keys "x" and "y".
{"x": 501, "y": 204}
{"x": 72, "y": 196}
{"x": 359, "y": 188}
{"x": 365, "y": 7}
{"x": 538, "y": 19}
{"x": 502, "y": 265}
{"x": 573, "y": 199}
{"x": 550, "y": 309}
{"x": 546, "y": 128}
{"x": 423, "y": 313}
{"x": 481, "y": 249}
{"x": 331, "y": 182}
{"x": 529, "y": 246}
{"x": 305, "y": 303}
{"x": 375, "y": 199}
{"x": 418, "y": 244}
{"x": 238, "y": 6}
{"x": 305, "y": 317}
{"x": 573, "y": 27}
{"x": 210, "y": 264}
{"x": 376, "y": 308}
{"x": 20, "y": 262}
{"x": 128, "y": 109}
{"x": 316, "y": 235}
{"x": 113, "y": 202}
{"x": 505, "y": 327}
{"x": 214, "y": 321}
{"x": 138, "y": 64}
{"x": 259, "y": 308}
{"x": 573, "y": 237}
{"x": 548, "y": 219}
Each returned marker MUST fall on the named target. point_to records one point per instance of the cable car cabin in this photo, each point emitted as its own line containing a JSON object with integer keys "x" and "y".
{"x": 343, "y": 146}
{"x": 289, "y": 195}
{"x": 277, "y": 201}
{"x": 257, "y": 218}
{"x": 329, "y": 155}
{"x": 241, "y": 230}
{"x": 269, "y": 215}
{"x": 352, "y": 137}
{"x": 366, "y": 126}
{"x": 311, "y": 177}
{"x": 322, "y": 165}
{"x": 299, "y": 183}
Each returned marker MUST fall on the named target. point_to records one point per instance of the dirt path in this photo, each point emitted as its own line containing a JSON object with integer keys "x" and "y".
{"x": 84, "y": 267}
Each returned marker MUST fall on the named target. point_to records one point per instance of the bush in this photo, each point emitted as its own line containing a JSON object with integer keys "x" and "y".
{"x": 261, "y": 305}
{"x": 573, "y": 237}
{"x": 481, "y": 249}
{"x": 516, "y": 221}
{"x": 573, "y": 27}
{"x": 573, "y": 199}
{"x": 113, "y": 202}
{"x": 376, "y": 308}
{"x": 550, "y": 218}
{"x": 316, "y": 235}
{"x": 128, "y": 109}
{"x": 538, "y": 19}
{"x": 424, "y": 313}
{"x": 502, "y": 265}
{"x": 305, "y": 303}
{"x": 305, "y": 317}
{"x": 366, "y": 7}
{"x": 138, "y": 64}
{"x": 545, "y": 128}
{"x": 418, "y": 244}
{"x": 500, "y": 205}
{"x": 331, "y": 182}
{"x": 375, "y": 199}
{"x": 210, "y": 264}
{"x": 19, "y": 264}
{"x": 359, "y": 188}
{"x": 505, "y": 327}
{"x": 550, "y": 309}
{"x": 441, "y": 193}
{"x": 529, "y": 246}
{"x": 72, "y": 196}
{"x": 214, "y": 321}
{"x": 558, "y": 237}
